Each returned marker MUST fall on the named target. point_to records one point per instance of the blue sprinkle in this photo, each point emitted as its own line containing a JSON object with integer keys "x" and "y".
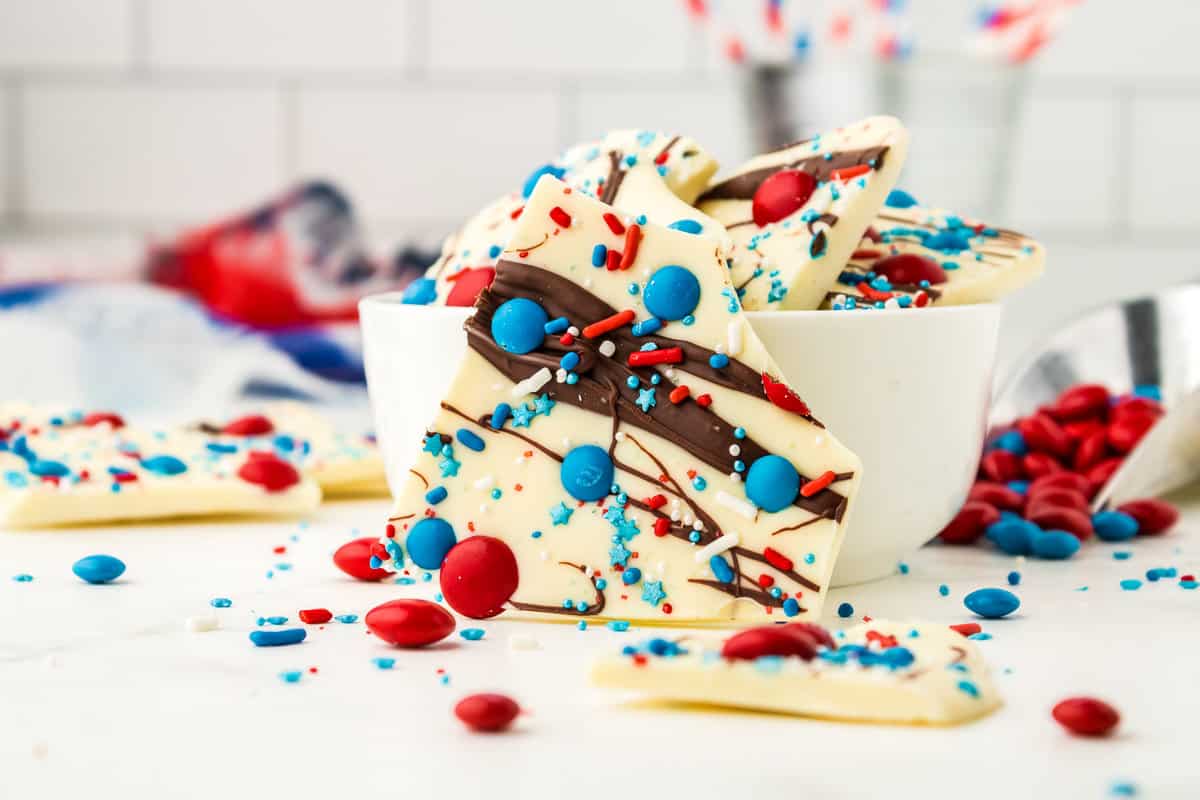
{"x": 289, "y": 636}
{"x": 721, "y": 569}
{"x": 647, "y": 326}
{"x": 469, "y": 439}
{"x": 1014, "y": 578}
{"x": 23, "y": 577}
{"x": 967, "y": 687}
{"x": 686, "y": 226}
{"x": 500, "y": 415}
{"x": 556, "y": 326}
{"x": 472, "y": 634}
{"x": 569, "y": 361}
{"x": 347, "y": 619}
{"x": 276, "y": 620}
{"x": 1131, "y": 584}
{"x": 384, "y": 663}
{"x": 992, "y": 603}
{"x": 1122, "y": 555}
{"x": 982, "y": 636}
{"x": 581, "y": 625}
{"x": 631, "y": 576}
{"x": 291, "y": 676}
{"x": 436, "y": 495}
{"x": 164, "y": 465}
{"x": 790, "y": 607}
{"x": 599, "y": 255}
{"x": 619, "y": 625}
{"x": 845, "y": 610}
{"x": 904, "y": 569}
{"x": 944, "y": 590}
{"x": 718, "y": 361}
{"x": 220, "y": 602}
{"x": 98, "y": 568}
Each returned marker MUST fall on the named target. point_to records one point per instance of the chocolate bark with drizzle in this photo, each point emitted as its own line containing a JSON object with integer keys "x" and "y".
{"x": 743, "y": 187}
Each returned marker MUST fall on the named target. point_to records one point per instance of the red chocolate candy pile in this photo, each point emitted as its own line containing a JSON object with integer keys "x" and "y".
{"x": 1037, "y": 479}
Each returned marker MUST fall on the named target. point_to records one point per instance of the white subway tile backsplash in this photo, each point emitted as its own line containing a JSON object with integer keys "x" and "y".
{"x": 1064, "y": 167}
{"x": 277, "y": 35}
{"x": 425, "y": 154}
{"x": 148, "y": 152}
{"x": 1165, "y": 185}
{"x": 65, "y": 33}
{"x": 626, "y": 38}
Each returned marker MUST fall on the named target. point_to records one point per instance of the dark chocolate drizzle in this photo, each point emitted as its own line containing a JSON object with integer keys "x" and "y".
{"x": 743, "y": 186}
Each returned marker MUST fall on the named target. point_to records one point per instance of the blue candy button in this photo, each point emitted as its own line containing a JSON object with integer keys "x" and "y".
{"x": 519, "y": 325}
{"x": 1055, "y": 545}
{"x": 1012, "y": 536}
{"x": 536, "y": 175}
{"x": 898, "y": 198}
{"x": 429, "y": 541}
{"x": 671, "y": 293}
{"x": 420, "y": 292}
{"x": 164, "y": 465}
{"x": 587, "y": 472}
{"x": 772, "y": 483}
{"x": 1114, "y": 526}
{"x": 992, "y": 603}
{"x": 98, "y": 568}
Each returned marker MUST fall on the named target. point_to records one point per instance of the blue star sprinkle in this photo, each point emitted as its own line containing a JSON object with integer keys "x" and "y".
{"x": 646, "y": 400}
{"x": 543, "y": 404}
{"x": 619, "y": 555}
{"x": 561, "y": 514}
{"x": 432, "y": 444}
{"x": 521, "y": 416}
{"x": 652, "y": 592}
{"x": 449, "y": 467}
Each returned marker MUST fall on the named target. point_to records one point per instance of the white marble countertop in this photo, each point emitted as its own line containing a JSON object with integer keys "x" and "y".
{"x": 103, "y": 693}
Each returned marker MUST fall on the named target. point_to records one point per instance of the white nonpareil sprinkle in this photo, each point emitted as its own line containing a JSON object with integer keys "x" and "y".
{"x": 619, "y": 436}
{"x": 522, "y": 641}
{"x": 202, "y": 623}
{"x": 573, "y": 330}
{"x": 485, "y": 482}
{"x": 560, "y": 375}
{"x": 483, "y": 507}
{"x": 607, "y": 348}
{"x": 734, "y": 337}
{"x": 533, "y": 383}
{"x": 735, "y": 450}
{"x": 716, "y": 547}
{"x": 743, "y": 507}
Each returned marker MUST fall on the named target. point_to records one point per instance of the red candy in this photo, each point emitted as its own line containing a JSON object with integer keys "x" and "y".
{"x": 998, "y": 495}
{"x": 410, "y": 623}
{"x": 250, "y": 425}
{"x": 487, "y": 713}
{"x": 1153, "y": 516}
{"x": 781, "y": 195}
{"x": 1100, "y": 473}
{"x": 1086, "y": 716}
{"x": 1125, "y": 432}
{"x": 1058, "y": 498}
{"x": 1132, "y": 406}
{"x": 354, "y": 559}
{"x": 1092, "y": 449}
{"x": 468, "y": 283}
{"x": 1079, "y": 402}
{"x": 98, "y": 417}
{"x": 818, "y": 634}
{"x": 969, "y": 523}
{"x": 1062, "y": 480}
{"x": 479, "y": 576}
{"x": 772, "y": 640}
{"x": 1037, "y": 465}
{"x": 1074, "y": 522}
{"x": 315, "y": 616}
{"x": 269, "y": 471}
{"x": 1002, "y": 466}
{"x": 1043, "y": 435}
{"x": 1084, "y": 428}
{"x": 909, "y": 268}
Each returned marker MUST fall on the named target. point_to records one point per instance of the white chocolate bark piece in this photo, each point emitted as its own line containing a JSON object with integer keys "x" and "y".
{"x": 645, "y": 173}
{"x": 914, "y": 257}
{"x": 70, "y": 468}
{"x": 910, "y": 673}
{"x": 796, "y": 214}
{"x": 611, "y": 428}
{"x": 343, "y": 465}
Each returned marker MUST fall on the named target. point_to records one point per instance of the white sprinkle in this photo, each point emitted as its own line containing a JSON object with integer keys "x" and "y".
{"x": 202, "y": 624}
{"x": 735, "y": 477}
{"x": 519, "y": 460}
{"x": 675, "y": 515}
{"x": 483, "y": 507}
{"x": 533, "y": 383}
{"x": 662, "y": 569}
{"x": 716, "y": 547}
{"x": 687, "y": 519}
{"x": 560, "y": 375}
{"x": 607, "y": 348}
{"x": 734, "y": 336}
{"x": 698, "y": 525}
{"x": 670, "y": 373}
{"x": 619, "y": 436}
{"x": 566, "y": 443}
{"x": 485, "y": 482}
{"x": 587, "y": 283}
{"x": 573, "y": 330}
{"x": 891, "y": 302}
{"x": 735, "y": 450}
{"x": 743, "y": 507}
{"x": 523, "y": 641}
{"x": 720, "y": 348}
{"x": 544, "y": 556}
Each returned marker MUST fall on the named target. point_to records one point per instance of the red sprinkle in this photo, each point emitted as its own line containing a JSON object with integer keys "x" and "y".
{"x": 846, "y": 173}
{"x": 560, "y": 217}
{"x": 817, "y": 484}
{"x": 614, "y": 223}
{"x": 777, "y": 559}
{"x": 704, "y": 400}
{"x": 633, "y": 237}
{"x": 487, "y": 713}
{"x": 665, "y": 355}
{"x": 967, "y": 628}
{"x": 517, "y": 212}
{"x": 766, "y": 581}
{"x": 662, "y": 526}
{"x": 609, "y": 324}
{"x": 679, "y": 394}
{"x": 250, "y": 425}
{"x": 656, "y": 502}
{"x": 1086, "y": 716}
{"x": 612, "y": 261}
{"x": 567, "y": 339}
{"x": 315, "y": 616}
{"x": 661, "y": 158}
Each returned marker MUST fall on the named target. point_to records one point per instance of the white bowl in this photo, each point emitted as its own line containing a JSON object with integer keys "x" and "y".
{"x": 907, "y": 390}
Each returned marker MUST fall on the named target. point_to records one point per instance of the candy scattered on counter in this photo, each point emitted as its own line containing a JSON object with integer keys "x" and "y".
{"x": 357, "y": 559}
{"x": 992, "y": 603}
{"x": 98, "y": 569}
{"x": 487, "y": 713}
{"x": 315, "y": 616}
{"x": 289, "y": 636}
{"x": 410, "y": 622}
{"x": 1086, "y": 716}
{"x": 220, "y": 602}
{"x": 472, "y": 634}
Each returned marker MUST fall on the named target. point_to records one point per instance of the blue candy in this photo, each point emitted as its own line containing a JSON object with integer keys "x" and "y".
{"x": 772, "y": 483}
{"x": 420, "y": 292}
{"x": 587, "y": 472}
{"x": 686, "y": 226}
{"x": 992, "y": 603}
{"x": 519, "y": 325}
{"x": 98, "y": 569}
{"x": 599, "y": 255}
{"x": 164, "y": 465}
{"x": 1055, "y": 545}
{"x": 49, "y": 469}
{"x": 671, "y": 293}
{"x": 436, "y": 495}
{"x": 536, "y": 175}
{"x": 429, "y": 541}
{"x": 469, "y": 439}
{"x": 269, "y": 638}
{"x": 721, "y": 569}
{"x": 898, "y": 198}
{"x": 1114, "y": 526}
{"x": 631, "y": 576}
{"x": 1012, "y": 441}
{"x": 1012, "y": 536}
{"x": 845, "y": 610}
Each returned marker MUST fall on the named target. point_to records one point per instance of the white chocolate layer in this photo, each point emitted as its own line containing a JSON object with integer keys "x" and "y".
{"x": 793, "y": 262}
{"x": 947, "y": 683}
{"x": 512, "y": 489}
